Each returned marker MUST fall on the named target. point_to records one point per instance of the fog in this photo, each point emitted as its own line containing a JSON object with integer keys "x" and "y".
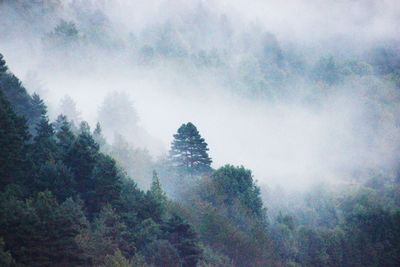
{"x": 296, "y": 134}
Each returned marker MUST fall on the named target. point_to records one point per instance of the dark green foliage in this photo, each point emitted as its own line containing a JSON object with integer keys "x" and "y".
{"x": 104, "y": 185}
{"x": 64, "y": 135}
{"x": 81, "y": 159}
{"x": 162, "y": 253}
{"x": 3, "y": 66}
{"x": 31, "y": 108}
{"x": 182, "y": 236}
{"x": 189, "y": 151}
{"x": 108, "y": 234}
{"x": 6, "y": 259}
{"x": 116, "y": 260}
{"x": 13, "y": 143}
{"x": 57, "y": 178}
{"x": 44, "y": 147}
{"x": 40, "y": 232}
{"x": 234, "y": 184}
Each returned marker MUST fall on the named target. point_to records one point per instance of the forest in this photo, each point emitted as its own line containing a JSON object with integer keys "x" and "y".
{"x": 130, "y": 137}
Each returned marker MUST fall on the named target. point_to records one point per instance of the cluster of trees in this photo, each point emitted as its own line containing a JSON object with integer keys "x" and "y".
{"x": 66, "y": 201}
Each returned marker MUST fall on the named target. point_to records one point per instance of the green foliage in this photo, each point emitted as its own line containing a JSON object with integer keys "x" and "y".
{"x": 40, "y": 232}
{"x": 189, "y": 151}
{"x": 162, "y": 253}
{"x": 116, "y": 260}
{"x": 104, "y": 184}
{"x": 30, "y": 107}
{"x": 6, "y": 259}
{"x": 13, "y": 142}
{"x": 235, "y": 184}
{"x": 182, "y": 236}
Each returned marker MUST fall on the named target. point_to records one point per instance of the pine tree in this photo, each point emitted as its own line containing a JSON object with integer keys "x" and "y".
{"x": 156, "y": 200}
{"x": 189, "y": 151}
{"x": 81, "y": 159}
{"x": 40, "y": 232}
{"x": 182, "y": 236}
{"x": 3, "y": 66}
{"x": 44, "y": 147}
{"x": 99, "y": 137}
{"x": 105, "y": 184}
{"x": 156, "y": 189}
{"x": 14, "y": 164}
{"x": 64, "y": 135}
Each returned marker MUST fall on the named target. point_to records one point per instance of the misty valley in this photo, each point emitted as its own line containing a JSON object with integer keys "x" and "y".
{"x": 199, "y": 133}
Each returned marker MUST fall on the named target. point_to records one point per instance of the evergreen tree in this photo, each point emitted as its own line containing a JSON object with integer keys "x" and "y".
{"x": 107, "y": 236}
{"x": 40, "y": 232}
{"x": 81, "y": 159}
{"x": 14, "y": 136}
{"x": 105, "y": 184}
{"x": 189, "y": 151}
{"x": 45, "y": 147}
{"x": 38, "y": 111}
{"x": 156, "y": 190}
{"x": 22, "y": 103}
{"x": 64, "y": 135}
{"x": 156, "y": 200}
{"x": 99, "y": 137}
{"x": 116, "y": 260}
{"x": 3, "y": 66}
{"x": 57, "y": 178}
{"x": 182, "y": 236}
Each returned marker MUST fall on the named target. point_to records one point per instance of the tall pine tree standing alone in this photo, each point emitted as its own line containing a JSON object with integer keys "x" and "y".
{"x": 189, "y": 151}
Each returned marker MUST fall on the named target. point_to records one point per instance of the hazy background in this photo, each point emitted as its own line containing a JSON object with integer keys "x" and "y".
{"x": 199, "y": 61}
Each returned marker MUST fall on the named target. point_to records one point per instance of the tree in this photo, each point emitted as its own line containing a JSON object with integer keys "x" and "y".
{"x": 104, "y": 185}
{"x": 182, "y": 236}
{"x": 108, "y": 235}
{"x": 189, "y": 151}
{"x": 156, "y": 190}
{"x": 68, "y": 108}
{"x": 236, "y": 184}
{"x": 81, "y": 159}
{"x": 40, "y": 232}
{"x": 99, "y": 137}
{"x": 13, "y": 143}
{"x": 162, "y": 253}
{"x": 64, "y": 135}
{"x": 116, "y": 260}
{"x": 6, "y": 259}
{"x": 45, "y": 147}
{"x": 3, "y": 66}
{"x": 155, "y": 200}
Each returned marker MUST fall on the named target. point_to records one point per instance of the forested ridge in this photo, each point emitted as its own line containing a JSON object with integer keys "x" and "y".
{"x": 93, "y": 186}
{"x": 65, "y": 203}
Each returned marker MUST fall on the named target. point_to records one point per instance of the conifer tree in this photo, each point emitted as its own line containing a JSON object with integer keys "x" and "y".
{"x": 82, "y": 157}
{"x": 189, "y": 151}
{"x": 13, "y": 145}
{"x": 98, "y": 136}
{"x": 3, "y": 66}
{"x": 105, "y": 184}
{"x": 182, "y": 236}
{"x": 64, "y": 135}
{"x": 156, "y": 189}
{"x": 45, "y": 147}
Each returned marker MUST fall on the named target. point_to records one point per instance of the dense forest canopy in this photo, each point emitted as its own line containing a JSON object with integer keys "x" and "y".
{"x": 199, "y": 133}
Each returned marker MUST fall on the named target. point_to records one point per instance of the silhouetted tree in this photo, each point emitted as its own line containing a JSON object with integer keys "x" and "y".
{"x": 189, "y": 151}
